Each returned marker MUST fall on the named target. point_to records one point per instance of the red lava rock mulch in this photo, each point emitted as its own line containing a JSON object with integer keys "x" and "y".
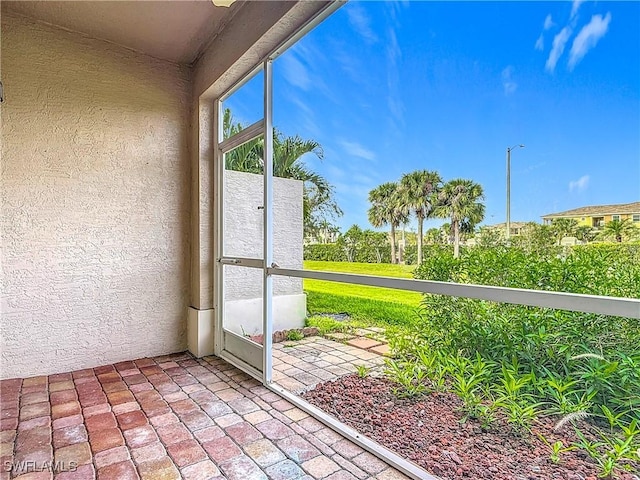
{"x": 429, "y": 432}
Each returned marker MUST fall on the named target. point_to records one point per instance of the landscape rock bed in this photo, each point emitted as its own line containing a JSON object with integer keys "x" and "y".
{"x": 429, "y": 432}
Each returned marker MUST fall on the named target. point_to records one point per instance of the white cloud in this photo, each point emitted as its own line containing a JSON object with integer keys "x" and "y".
{"x": 548, "y": 22}
{"x": 351, "y": 65}
{"x": 300, "y": 104}
{"x": 508, "y": 83}
{"x": 575, "y": 6}
{"x": 588, "y": 37}
{"x": 334, "y": 173}
{"x": 361, "y": 22}
{"x": 559, "y": 42}
{"x": 394, "y": 100}
{"x": 356, "y": 150}
{"x": 579, "y": 185}
{"x": 295, "y": 71}
{"x": 305, "y": 116}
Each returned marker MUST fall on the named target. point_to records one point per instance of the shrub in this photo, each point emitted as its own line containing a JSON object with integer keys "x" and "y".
{"x": 597, "y": 355}
{"x": 324, "y": 252}
{"x": 333, "y": 252}
{"x": 598, "y": 269}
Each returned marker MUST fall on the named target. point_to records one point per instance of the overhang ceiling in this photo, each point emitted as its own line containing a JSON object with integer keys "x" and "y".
{"x": 175, "y": 30}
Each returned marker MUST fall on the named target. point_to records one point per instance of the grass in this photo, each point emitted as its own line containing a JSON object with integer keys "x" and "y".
{"x": 368, "y": 305}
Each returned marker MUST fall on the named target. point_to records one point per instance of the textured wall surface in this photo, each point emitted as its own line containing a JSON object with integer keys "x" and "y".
{"x": 243, "y": 237}
{"x": 95, "y": 202}
{"x": 243, "y": 233}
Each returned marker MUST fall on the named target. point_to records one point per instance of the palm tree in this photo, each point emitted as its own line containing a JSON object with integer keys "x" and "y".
{"x": 460, "y": 200}
{"x": 418, "y": 191}
{"x": 585, "y": 233}
{"x": 564, "y": 227}
{"x": 433, "y": 236}
{"x": 287, "y": 152}
{"x": 246, "y": 157}
{"x": 619, "y": 230}
{"x": 387, "y": 209}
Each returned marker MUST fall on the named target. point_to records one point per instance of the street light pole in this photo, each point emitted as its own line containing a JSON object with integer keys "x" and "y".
{"x": 508, "y": 222}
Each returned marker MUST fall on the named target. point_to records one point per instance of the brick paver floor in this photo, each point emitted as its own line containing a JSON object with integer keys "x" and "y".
{"x": 167, "y": 418}
{"x": 299, "y": 366}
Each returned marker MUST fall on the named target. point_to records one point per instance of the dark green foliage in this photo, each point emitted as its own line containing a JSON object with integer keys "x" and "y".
{"x": 597, "y": 355}
{"x": 355, "y": 245}
{"x": 599, "y": 269}
{"x": 333, "y": 252}
{"x": 324, "y": 252}
{"x": 365, "y": 253}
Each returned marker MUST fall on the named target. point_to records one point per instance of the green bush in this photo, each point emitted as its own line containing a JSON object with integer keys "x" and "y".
{"x": 333, "y": 252}
{"x": 411, "y": 254}
{"x": 598, "y": 269}
{"x": 599, "y": 356}
{"x": 324, "y": 252}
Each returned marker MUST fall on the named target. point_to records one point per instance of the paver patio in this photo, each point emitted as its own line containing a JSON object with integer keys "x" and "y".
{"x": 172, "y": 417}
{"x": 299, "y": 366}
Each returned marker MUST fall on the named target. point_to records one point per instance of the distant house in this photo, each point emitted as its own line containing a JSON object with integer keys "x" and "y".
{"x": 517, "y": 228}
{"x": 598, "y": 215}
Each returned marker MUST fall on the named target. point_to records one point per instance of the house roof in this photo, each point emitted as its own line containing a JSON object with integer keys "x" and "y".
{"x": 617, "y": 209}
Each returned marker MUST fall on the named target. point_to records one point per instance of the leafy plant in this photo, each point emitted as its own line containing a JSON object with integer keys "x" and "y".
{"x": 612, "y": 419}
{"x": 436, "y": 366}
{"x": 557, "y": 448}
{"x": 325, "y": 324}
{"x": 410, "y": 378}
{"x": 613, "y": 453}
{"x": 294, "y": 335}
{"x": 516, "y": 363}
{"x": 468, "y": 381}
{"x": 565, "y": 396}
{"x": 362, "y": 371}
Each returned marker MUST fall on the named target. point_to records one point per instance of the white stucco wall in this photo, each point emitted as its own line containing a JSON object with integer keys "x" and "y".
{"x": 243, "y": 237}
{"x": 95, "y": 202}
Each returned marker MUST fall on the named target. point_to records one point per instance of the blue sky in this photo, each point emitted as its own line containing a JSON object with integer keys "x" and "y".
{"x": 388, "y": 88}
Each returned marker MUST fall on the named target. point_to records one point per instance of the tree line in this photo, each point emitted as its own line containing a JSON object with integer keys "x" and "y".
{"x": 423, "y": 194}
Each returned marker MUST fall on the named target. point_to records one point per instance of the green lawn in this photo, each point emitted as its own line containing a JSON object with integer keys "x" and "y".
{"x": 370, "y": 305}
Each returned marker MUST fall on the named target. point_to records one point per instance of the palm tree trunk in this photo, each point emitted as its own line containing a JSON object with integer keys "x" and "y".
{"x": 456, "y": 239}
{"x": 420, "y": 226}
{"x": 393, "y": 244}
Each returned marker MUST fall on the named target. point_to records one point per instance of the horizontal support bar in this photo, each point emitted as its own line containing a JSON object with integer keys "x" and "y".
{"x": 242, "y": 262}
{"x": 619, "y": 307}
{"x": 243, "y": 136}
